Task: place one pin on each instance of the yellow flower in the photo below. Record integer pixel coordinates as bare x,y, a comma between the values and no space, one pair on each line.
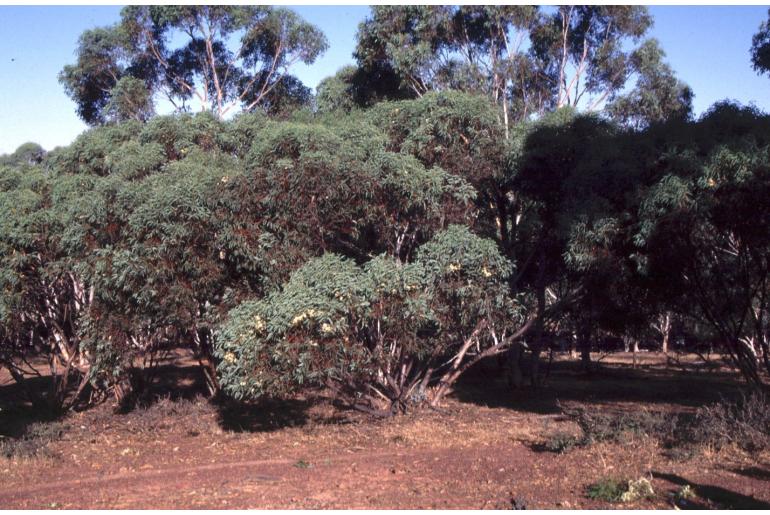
310,313
485,272
259,324
326,328
454,267
230,357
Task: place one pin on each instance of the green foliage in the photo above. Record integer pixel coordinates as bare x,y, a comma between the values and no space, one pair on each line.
700,234
154,231
526,61
608,490
760,48
27,154
341,325
99,68
658,95
614,490
334,93
457,131
122,68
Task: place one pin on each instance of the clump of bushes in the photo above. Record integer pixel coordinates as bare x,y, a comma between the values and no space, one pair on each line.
743,423
34,442
614,427
624,427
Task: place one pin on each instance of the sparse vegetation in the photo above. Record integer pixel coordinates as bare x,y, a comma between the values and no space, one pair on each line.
34,442
743,423
623,427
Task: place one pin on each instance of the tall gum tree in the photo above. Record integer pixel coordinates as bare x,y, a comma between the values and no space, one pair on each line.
229,58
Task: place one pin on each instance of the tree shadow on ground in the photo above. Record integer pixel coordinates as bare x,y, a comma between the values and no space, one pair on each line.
172,389
486,385
270,415
753,472
17,412
186,383
714,496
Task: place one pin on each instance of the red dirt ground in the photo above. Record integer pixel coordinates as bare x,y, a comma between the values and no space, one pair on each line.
479,453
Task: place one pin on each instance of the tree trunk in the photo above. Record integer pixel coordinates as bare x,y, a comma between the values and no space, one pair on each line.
515,379
537,338
585,349
636,350
201,338
665,331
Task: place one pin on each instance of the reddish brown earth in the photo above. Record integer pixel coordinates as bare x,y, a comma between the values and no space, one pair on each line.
481,452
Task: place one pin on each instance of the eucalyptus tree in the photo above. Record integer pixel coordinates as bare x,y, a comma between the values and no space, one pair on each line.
172,222
477,49
527,60
386,302
43,298
383,337
658,95
138,226
581,51
704,234
760,48
227,58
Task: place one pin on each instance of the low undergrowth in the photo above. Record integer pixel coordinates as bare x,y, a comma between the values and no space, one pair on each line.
34,442
743,423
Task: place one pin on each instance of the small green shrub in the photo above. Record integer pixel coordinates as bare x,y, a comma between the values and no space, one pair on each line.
616,490
638,489
608,489
561,442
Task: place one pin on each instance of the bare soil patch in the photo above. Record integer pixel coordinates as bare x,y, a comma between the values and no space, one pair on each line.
480,452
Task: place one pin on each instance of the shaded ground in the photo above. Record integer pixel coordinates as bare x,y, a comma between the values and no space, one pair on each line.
307,454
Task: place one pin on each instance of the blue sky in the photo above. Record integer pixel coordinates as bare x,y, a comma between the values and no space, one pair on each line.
707,46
